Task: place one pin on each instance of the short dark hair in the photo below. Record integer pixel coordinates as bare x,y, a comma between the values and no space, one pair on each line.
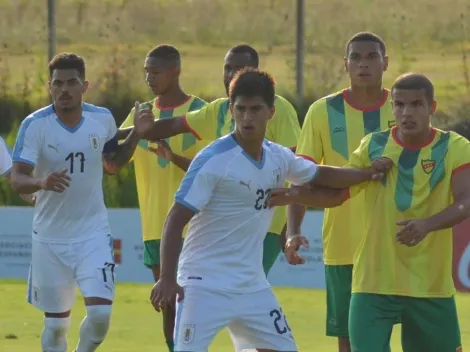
251,82
167,53
67,61
367,37
415,81
247,49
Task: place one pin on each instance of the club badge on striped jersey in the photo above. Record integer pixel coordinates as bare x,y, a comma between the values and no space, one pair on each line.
428,165
94,142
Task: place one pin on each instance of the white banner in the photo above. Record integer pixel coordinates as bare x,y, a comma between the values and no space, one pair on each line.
15,249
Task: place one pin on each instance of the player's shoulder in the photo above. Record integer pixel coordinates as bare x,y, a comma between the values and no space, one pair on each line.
217,154
453,139
196,103
38,117
319,108
94,110
220,103
278,149
281,101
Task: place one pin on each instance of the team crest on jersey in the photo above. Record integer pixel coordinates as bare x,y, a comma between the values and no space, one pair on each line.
277,175
428,165
391,124
94,142
188,332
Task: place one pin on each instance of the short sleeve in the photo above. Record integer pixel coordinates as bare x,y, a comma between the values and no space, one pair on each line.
111,137
27,143
310,145
459,148
299,170
284,128
203,123
5,159
198,184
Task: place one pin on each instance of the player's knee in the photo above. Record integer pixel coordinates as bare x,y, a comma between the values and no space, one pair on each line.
98,317
55,332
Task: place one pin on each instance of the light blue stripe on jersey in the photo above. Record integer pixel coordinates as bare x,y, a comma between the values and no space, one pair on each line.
220,146
44,112
95,109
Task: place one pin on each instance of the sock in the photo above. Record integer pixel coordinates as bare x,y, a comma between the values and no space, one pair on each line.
54,335
94,327
171,346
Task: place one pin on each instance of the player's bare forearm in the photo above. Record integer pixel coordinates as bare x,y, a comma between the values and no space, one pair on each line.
22,180
28,198
165,128
180,161
172,237
340,177
321,197
114,162
295,216
123,133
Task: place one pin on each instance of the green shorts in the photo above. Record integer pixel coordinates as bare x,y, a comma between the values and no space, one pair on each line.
338,295
271,250
428,324
152,253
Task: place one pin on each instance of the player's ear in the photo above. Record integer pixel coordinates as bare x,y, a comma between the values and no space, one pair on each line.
434,106
272,111
85,85
385,63
345,63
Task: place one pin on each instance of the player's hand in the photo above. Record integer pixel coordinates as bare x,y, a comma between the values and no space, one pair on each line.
163,293
412,232
380,167
164,151
283,196
293,244
143,119
56,181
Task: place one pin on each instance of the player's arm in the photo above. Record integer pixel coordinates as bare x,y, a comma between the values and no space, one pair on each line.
199,122
123,133
180,161
164,151
115,155
310,147
28,198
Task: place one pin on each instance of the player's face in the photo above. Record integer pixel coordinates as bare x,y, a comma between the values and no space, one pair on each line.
67,89
159,76
365,64
251,115
412,111
234,63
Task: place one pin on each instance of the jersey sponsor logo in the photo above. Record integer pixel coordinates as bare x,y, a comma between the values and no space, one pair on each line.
94,142
189,330
53,147
338,129
243,183
392,124
428,165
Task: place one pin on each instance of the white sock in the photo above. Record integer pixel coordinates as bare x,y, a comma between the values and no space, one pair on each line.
54,335
94,327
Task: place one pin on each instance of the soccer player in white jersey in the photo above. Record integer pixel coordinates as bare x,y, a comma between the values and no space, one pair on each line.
60,153
221,282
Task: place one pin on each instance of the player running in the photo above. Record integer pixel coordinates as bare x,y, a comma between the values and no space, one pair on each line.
224,195
158,176
332,129
215,120
60,153
403,266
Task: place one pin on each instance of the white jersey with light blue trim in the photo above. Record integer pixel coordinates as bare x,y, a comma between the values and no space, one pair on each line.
44,142
228,191
5,159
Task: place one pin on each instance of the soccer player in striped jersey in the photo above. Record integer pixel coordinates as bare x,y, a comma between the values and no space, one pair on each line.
215,120
160,167
403,265
332,130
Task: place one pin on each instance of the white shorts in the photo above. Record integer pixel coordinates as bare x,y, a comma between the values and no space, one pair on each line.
57,268
254,320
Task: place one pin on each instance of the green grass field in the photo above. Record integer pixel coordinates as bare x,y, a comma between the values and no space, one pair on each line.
136,327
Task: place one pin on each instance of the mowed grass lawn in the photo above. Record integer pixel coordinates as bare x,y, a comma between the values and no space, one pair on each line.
136,327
